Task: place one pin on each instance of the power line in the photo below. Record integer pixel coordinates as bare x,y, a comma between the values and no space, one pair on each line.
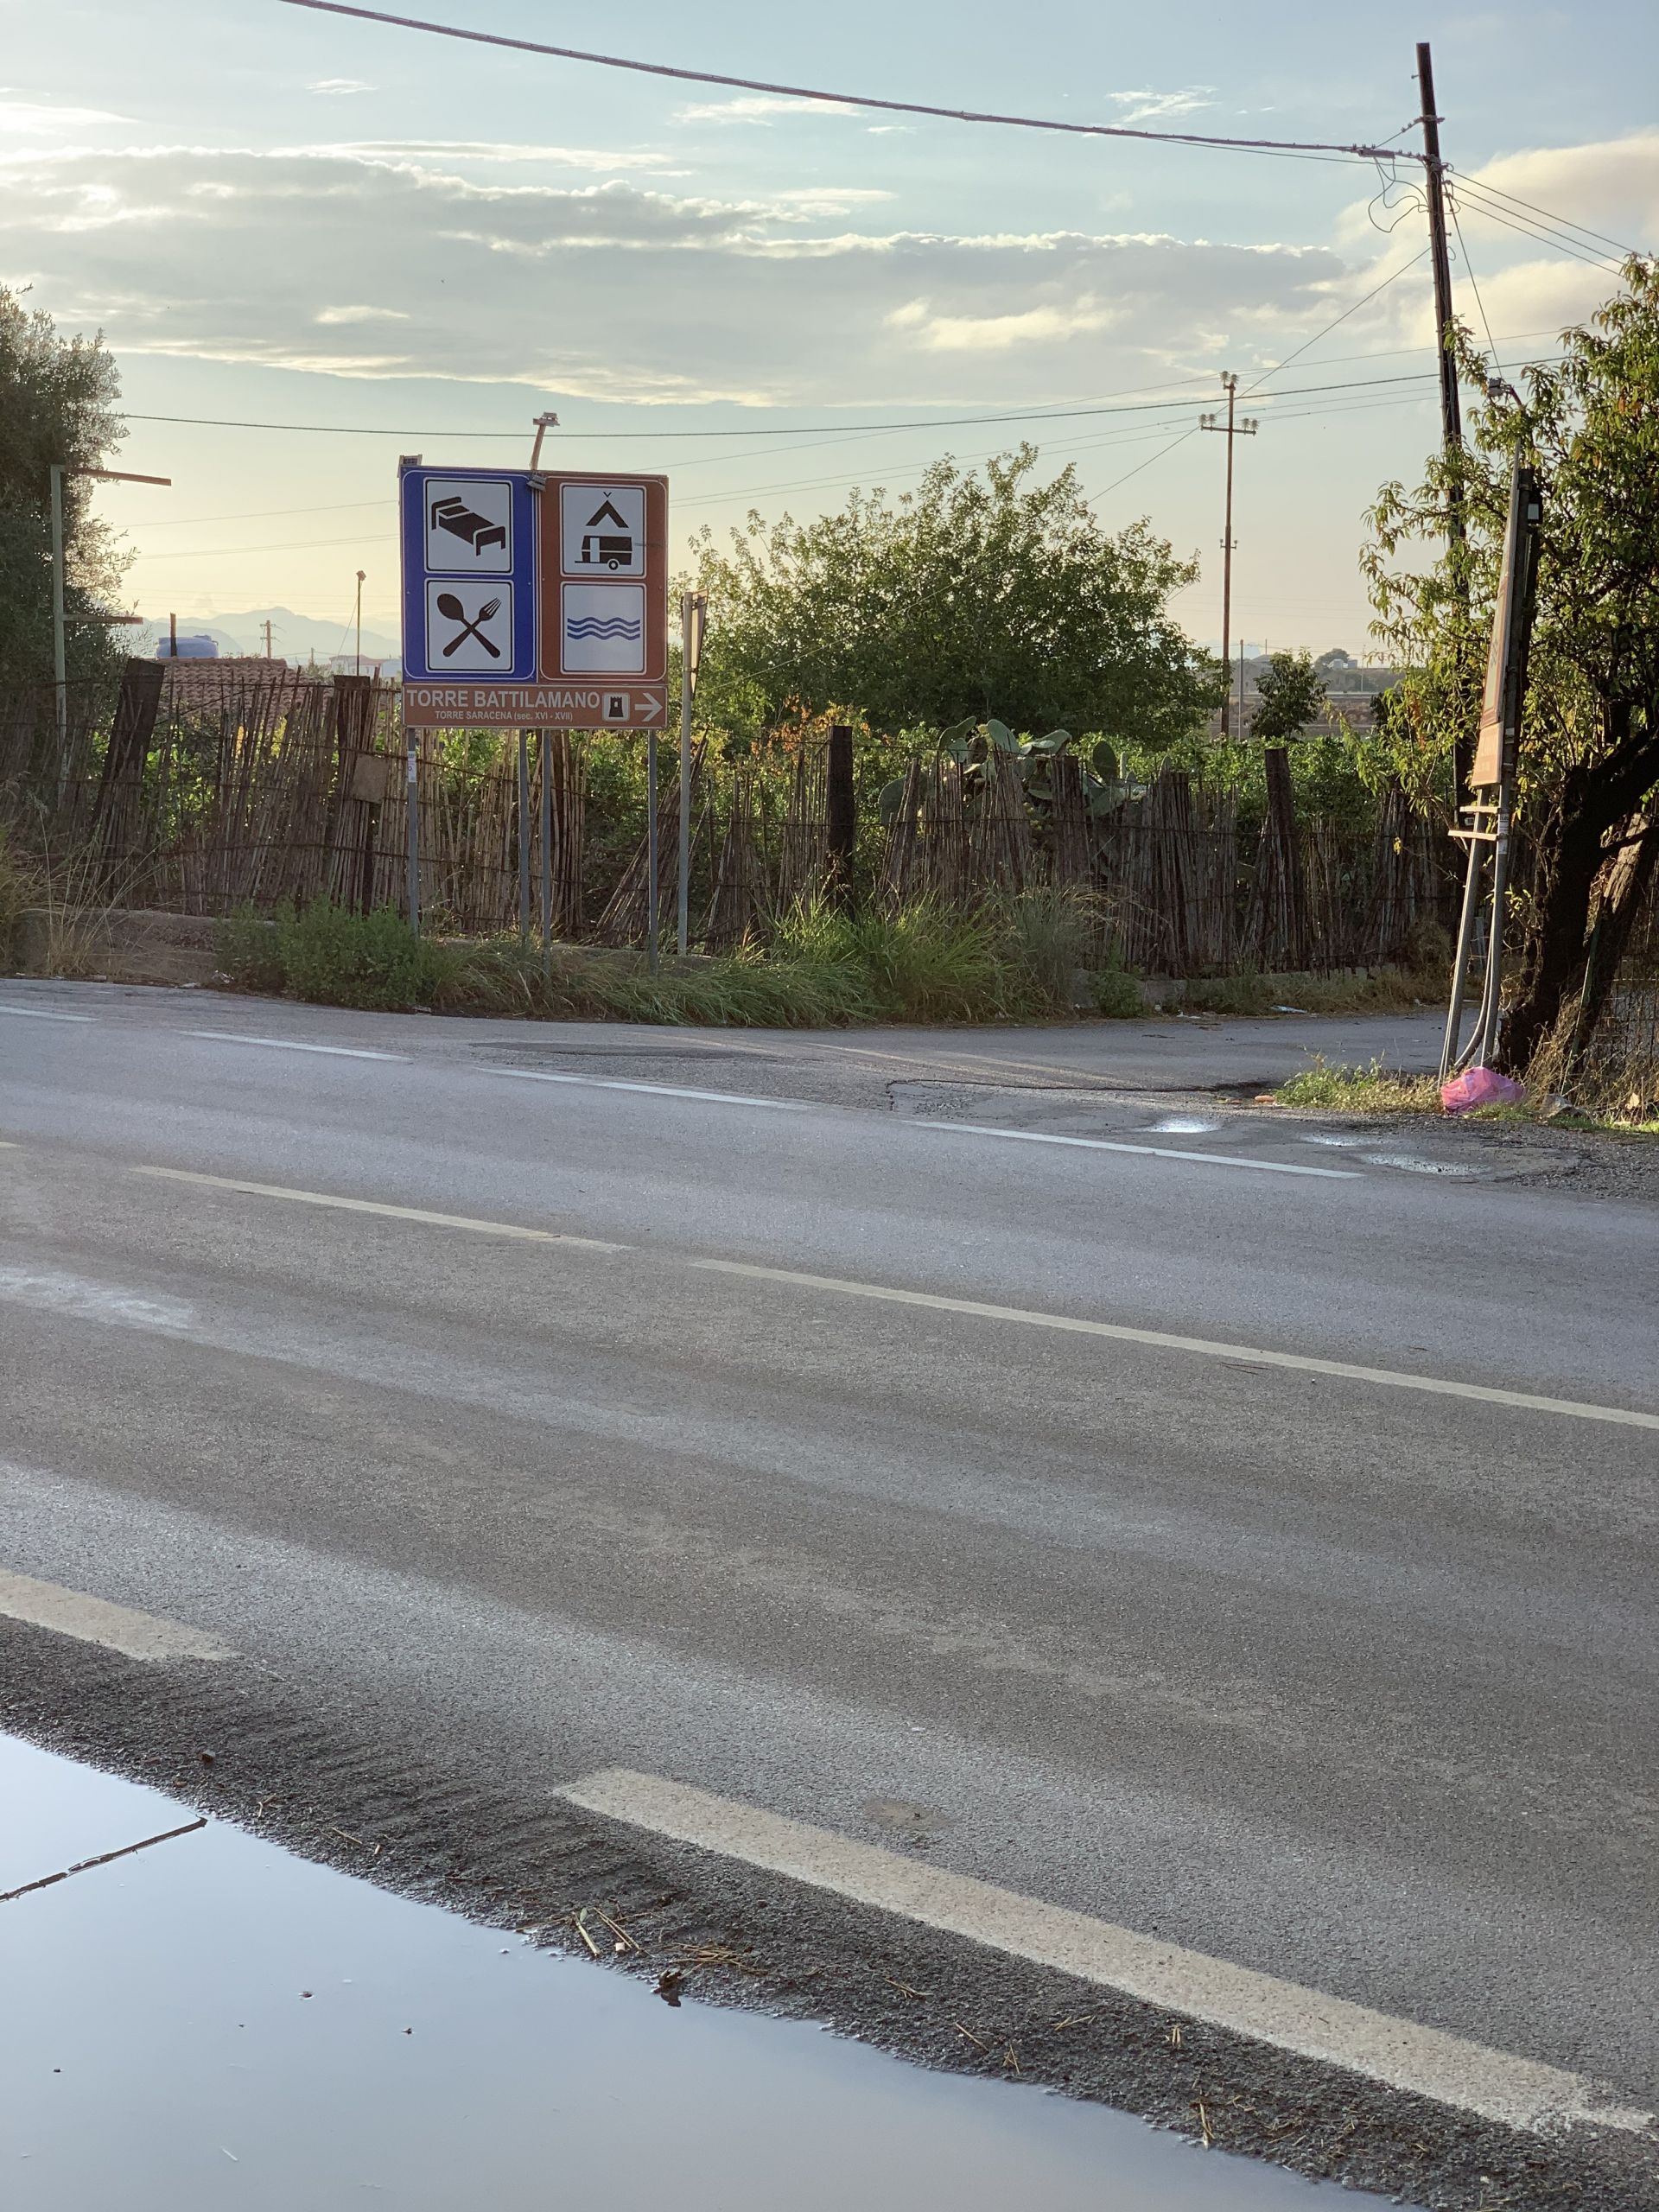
1543,233
835,100
1330,327
1468,266
1555,242
1561,222
924,423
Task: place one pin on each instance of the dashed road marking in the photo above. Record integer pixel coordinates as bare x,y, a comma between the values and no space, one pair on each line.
93,1620
1398,2053
1203,1347
1157,1151
392,1213
292,1044
41,1014
656,1089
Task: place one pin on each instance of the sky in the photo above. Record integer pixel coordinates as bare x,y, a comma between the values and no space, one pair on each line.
279,217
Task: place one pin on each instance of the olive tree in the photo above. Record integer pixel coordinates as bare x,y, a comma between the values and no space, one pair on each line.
1589,752
978,596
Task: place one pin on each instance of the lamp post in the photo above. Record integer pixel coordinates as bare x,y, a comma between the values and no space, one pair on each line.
60,469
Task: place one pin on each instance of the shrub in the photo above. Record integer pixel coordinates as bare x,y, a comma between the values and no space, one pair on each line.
332,957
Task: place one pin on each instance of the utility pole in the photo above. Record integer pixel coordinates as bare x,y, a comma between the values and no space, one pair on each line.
1440,254
361,575
268,651
1230,429
1444,321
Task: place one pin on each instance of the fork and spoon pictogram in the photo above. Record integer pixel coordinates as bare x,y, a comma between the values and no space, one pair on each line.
452,610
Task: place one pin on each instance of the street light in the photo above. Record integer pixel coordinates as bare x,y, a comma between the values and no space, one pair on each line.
60,469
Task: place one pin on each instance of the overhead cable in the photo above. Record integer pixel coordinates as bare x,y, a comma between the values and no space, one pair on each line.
837,99
786,429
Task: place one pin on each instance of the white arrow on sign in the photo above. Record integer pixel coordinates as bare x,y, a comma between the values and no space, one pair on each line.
651,702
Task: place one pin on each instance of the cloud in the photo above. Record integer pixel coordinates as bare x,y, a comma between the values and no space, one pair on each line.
1147,106
602,160
622,289
330,315
996,334
336,87
804,201
1612,185
39,118
756,107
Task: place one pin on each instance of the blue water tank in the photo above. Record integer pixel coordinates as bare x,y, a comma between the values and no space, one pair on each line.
189,649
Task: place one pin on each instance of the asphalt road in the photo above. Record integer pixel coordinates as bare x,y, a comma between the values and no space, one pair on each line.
1347,1681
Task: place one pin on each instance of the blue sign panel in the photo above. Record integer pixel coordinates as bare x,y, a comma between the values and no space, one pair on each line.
470,575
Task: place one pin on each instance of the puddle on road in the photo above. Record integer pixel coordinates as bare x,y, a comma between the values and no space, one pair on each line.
1183,1125
212,2022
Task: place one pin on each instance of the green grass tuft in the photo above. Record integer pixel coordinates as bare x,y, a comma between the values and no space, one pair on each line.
1375,1090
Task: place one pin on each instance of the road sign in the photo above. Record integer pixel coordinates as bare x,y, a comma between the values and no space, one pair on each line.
470,598
534,601
605,582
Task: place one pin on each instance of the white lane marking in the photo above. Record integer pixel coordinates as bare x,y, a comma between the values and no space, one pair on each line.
1166,1340
40,1014
289,1045
1158,1151
92,1620
657,1090
51,1292
1424,2061
392,1213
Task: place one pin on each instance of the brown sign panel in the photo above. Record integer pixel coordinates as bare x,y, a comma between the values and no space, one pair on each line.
597,703
604,579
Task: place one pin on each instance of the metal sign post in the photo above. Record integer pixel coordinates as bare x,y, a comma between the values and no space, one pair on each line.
694,612
1492,778
524,837
547,851
413,811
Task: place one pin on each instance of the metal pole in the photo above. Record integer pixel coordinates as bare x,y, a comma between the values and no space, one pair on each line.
59,669
1491,999
1231,382
524,837
547,848
652,923
1241,688
412,810
688,688
1449,1043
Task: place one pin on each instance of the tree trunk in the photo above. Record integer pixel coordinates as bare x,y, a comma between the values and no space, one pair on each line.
1620,896
1560,947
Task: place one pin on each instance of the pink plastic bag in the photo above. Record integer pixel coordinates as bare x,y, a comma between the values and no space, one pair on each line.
1480,1087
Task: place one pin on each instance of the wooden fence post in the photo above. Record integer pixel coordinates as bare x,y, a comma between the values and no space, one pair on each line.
841,817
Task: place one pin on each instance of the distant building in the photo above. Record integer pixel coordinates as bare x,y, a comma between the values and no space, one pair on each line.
197,648
1351,689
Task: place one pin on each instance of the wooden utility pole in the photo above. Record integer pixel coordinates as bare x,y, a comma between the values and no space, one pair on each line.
1439,255
1445,323
1232,429
268,651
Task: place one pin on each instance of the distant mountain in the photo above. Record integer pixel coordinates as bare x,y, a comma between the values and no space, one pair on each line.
294,637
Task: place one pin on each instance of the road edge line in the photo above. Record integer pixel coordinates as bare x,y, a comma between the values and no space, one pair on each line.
1397,2054
94,1620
